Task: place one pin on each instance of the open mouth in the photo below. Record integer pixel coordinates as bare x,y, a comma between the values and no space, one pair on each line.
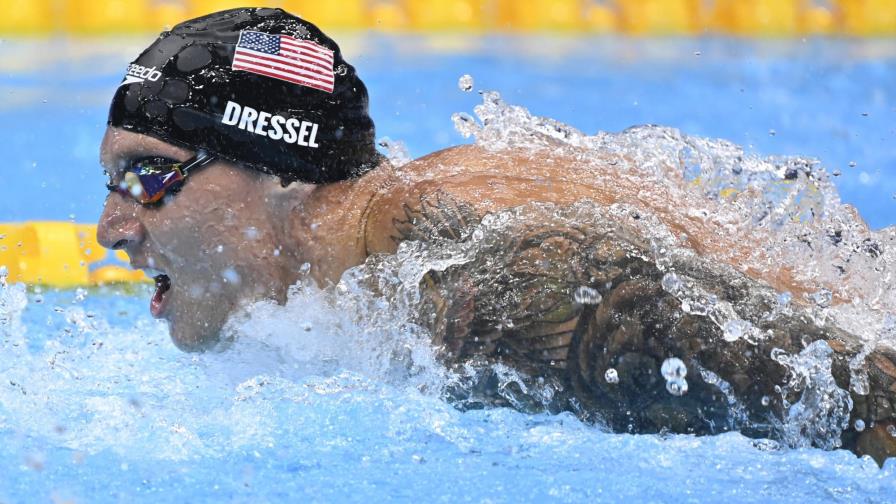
159,299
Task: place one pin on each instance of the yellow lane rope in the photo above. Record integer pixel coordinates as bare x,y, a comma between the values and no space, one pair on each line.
61,254
637,17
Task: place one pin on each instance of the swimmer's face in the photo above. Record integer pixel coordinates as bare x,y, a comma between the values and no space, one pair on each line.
215,244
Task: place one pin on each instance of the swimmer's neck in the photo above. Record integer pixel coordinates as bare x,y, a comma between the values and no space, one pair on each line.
328,226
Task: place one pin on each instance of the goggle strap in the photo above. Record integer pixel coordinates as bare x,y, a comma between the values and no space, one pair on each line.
198,162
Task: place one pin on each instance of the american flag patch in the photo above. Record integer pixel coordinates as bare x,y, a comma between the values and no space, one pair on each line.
286,58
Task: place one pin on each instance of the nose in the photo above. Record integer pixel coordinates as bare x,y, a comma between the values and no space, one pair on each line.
119,227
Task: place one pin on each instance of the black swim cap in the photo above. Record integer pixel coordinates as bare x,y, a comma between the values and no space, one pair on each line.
260,87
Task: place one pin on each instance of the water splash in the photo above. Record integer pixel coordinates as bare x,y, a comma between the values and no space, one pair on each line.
13,300
780,218
396,151
823,409
785,211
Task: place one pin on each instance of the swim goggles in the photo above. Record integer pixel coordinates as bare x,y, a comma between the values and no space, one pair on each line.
148,183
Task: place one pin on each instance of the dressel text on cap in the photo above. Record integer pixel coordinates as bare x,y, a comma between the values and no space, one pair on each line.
275,127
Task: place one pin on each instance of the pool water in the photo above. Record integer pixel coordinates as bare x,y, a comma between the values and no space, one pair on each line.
96,404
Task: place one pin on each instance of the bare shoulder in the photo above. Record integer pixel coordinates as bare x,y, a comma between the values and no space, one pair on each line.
473,159
440,193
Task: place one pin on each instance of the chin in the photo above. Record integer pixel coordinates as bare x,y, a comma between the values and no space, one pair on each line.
194,339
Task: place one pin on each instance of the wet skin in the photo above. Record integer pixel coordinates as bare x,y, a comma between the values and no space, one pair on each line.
228,220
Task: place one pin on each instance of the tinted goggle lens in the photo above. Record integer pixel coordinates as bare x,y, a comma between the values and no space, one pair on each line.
148,183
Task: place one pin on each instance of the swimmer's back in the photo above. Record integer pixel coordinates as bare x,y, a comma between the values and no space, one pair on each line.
471,180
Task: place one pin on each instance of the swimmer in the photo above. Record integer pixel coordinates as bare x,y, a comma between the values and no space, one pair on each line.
239,148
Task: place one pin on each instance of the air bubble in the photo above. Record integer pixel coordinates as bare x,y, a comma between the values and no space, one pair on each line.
766,400
891,430
859,425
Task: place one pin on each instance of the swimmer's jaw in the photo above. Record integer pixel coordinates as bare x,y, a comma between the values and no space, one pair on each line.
195,341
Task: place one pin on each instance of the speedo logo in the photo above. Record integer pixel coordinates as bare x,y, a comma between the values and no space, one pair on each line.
140,73
275,127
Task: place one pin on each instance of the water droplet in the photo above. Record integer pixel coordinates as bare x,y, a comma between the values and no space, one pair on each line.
587,295
736,329
220,248
677,387
852,164
673,368
859,425
784,299
611,376
772,132
822,298
671,283
304,269
891,430
836,173
465,83
231,276
697,53
464,124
